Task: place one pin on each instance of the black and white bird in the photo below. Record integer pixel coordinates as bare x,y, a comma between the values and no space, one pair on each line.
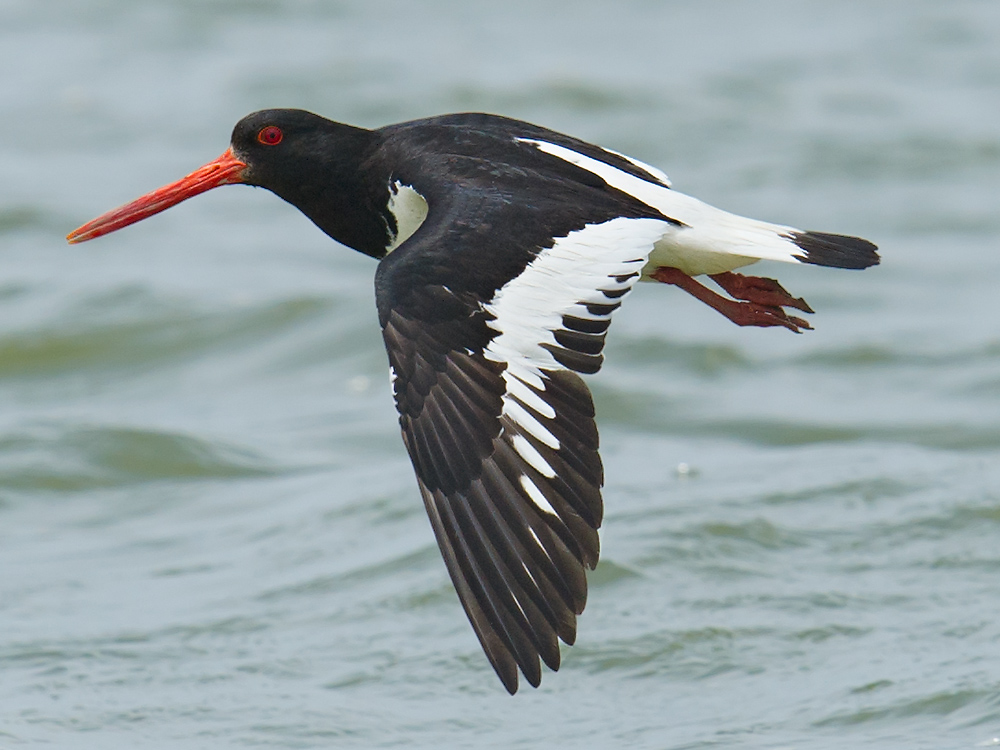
505,249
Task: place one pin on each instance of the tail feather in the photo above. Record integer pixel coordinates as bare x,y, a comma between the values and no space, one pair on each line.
836,250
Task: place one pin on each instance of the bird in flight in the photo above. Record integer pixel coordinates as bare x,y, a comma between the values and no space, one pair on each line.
504,250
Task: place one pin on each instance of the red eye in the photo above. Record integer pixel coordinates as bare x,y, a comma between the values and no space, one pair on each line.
270,136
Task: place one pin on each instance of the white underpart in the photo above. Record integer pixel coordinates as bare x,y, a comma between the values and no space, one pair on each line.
711,240
538,499
409,209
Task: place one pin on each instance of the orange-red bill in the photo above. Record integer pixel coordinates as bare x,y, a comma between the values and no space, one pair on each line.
225,170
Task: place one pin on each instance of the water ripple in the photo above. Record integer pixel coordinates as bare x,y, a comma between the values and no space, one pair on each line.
939,704
127,330
84,458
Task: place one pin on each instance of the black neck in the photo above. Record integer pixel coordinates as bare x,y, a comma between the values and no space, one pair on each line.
330,177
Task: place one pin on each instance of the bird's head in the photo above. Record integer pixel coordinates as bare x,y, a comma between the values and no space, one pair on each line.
291,152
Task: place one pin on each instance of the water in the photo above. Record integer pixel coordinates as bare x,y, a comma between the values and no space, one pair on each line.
210,535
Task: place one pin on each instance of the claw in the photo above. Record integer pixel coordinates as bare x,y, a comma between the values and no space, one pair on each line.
759,290
758,301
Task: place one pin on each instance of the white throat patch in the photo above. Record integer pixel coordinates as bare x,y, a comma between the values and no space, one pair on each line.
409,209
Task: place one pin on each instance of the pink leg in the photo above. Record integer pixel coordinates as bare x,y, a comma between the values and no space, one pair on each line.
761,305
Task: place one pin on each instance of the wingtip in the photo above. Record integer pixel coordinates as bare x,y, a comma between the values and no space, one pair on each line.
507,674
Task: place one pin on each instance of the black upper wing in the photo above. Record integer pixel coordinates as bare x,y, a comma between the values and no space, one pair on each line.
488,312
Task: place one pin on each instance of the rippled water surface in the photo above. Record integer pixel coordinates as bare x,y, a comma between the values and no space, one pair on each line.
210,535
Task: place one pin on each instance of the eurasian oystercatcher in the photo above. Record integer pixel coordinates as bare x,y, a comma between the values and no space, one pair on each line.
505,249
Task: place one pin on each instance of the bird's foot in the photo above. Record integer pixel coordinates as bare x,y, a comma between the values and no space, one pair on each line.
759,290
758,301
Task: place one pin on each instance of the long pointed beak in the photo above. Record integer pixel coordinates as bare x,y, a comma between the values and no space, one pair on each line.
225,170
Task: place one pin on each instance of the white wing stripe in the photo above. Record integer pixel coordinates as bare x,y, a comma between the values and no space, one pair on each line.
529,424
706,229
659,174
530,307
594,265
540,502
527,396
532,456
659,197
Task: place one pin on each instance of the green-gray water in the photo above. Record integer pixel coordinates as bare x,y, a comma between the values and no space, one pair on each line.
210,535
